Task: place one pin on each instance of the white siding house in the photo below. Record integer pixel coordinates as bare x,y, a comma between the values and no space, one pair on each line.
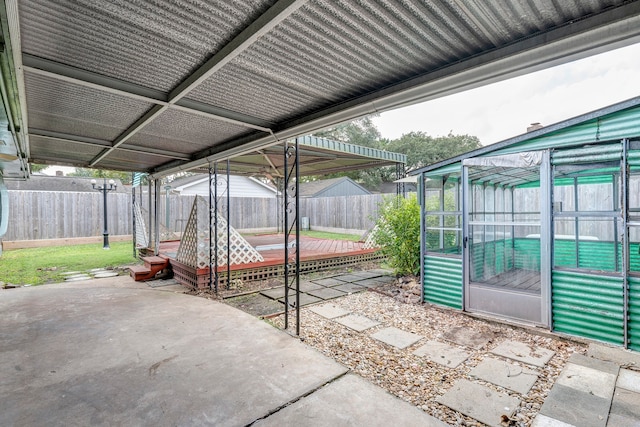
239,186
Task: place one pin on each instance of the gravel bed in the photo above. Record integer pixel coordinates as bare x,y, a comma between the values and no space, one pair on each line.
416,379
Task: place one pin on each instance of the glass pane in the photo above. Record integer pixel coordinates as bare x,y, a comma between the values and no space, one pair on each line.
634,196
564,198
444,233
506,257
634,248
595,196
598,246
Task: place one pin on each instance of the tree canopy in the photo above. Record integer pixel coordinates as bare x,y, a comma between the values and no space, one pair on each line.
420,148
423,150
124,177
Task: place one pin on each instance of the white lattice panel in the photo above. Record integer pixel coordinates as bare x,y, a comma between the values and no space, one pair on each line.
370,243
165,234
195,246
141,229
188,253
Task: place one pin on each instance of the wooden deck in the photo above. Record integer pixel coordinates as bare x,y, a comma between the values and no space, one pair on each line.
315,254
517,280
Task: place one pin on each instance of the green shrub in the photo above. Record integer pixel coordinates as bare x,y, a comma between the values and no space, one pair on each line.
398,233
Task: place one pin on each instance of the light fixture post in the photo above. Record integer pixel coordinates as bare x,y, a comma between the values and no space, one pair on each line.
104,189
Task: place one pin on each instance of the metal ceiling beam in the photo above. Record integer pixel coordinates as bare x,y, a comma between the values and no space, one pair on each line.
616,27
62,72
101,143
268,159
281,10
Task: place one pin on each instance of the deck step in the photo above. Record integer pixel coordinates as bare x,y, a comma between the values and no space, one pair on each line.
140,272
152,266
153,260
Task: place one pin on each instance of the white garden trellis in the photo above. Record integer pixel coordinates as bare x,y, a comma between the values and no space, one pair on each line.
195,245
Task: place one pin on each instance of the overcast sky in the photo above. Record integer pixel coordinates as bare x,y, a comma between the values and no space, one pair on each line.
503,110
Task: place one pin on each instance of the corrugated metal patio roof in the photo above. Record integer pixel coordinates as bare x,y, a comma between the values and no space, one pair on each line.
170,85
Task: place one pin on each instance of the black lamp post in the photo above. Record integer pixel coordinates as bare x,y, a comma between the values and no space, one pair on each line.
105,189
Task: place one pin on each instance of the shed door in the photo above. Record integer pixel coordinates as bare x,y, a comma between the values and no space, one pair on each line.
506,233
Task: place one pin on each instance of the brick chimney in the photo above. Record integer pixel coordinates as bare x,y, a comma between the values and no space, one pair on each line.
534,126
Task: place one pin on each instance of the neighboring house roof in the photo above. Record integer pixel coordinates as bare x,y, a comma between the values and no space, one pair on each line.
60,183
240,186
392,187
342,186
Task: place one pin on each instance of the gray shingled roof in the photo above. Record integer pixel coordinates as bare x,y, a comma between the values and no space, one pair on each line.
59,183
313,188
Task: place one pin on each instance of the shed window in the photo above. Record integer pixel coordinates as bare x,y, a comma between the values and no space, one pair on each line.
587,223
443,218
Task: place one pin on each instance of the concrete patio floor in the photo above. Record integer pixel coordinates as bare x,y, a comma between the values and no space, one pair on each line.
115,352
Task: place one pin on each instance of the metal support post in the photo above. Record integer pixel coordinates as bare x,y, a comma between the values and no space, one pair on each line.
210,231
292,224
167,213
215,225
626,263
228,225
133,215
422,197
150,240
156,216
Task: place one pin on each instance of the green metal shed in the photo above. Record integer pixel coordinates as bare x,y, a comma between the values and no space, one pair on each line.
543,228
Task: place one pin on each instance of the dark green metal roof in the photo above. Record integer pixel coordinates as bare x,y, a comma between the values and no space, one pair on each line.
318,156
611,123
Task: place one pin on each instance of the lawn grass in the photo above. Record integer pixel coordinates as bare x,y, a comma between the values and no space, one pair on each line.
36,266
332,236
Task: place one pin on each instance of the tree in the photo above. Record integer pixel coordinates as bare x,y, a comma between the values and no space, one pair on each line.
422,149
362,132
35,167
124,177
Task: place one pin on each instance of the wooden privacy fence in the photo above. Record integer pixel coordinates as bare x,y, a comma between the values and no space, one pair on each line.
37,215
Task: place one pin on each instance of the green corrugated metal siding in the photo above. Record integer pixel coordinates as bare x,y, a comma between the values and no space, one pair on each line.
588,305
454,168
634,313
443,281
634,257
527,254
593,255
314,141
623,124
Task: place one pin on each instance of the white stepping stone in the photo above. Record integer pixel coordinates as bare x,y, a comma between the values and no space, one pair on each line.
588,380
396,337
479,402
525,353
77,278
544,421
105,274
505,374
629,380
357,322
329,311
443,354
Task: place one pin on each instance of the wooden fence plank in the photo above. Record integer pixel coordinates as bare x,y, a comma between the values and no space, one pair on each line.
37,215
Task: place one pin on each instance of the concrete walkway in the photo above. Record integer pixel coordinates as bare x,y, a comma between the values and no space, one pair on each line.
601,389
115,352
